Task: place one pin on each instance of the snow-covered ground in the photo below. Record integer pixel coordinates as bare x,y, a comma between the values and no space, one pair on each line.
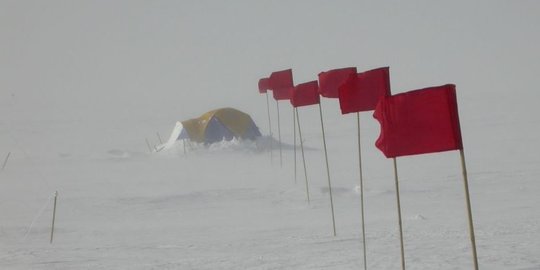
79,93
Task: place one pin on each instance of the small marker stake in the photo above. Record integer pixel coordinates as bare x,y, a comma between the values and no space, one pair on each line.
54,215
6,160
148,144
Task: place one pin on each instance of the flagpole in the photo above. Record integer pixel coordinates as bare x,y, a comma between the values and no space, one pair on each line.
361,191
279,135
399,216
328,172
469,210
269,125
294,135
303,157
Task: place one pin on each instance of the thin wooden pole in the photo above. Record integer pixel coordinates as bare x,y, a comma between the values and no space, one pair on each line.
399,216
303,157
294,144
148,144
328,172
469,209
6,161
361,191
279,136
159,138
269,126
54,215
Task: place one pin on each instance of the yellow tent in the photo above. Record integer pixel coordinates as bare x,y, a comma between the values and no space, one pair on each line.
215,126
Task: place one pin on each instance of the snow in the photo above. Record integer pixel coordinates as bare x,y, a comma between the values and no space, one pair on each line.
79,95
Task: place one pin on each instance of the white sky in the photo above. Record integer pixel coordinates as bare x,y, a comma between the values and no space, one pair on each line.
100,61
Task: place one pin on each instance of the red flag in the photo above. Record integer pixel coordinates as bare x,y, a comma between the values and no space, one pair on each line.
305,94
282,93
419,122
280,79
330,81
362,91
263,85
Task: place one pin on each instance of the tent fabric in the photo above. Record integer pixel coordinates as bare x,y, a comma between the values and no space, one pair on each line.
178,133
217,125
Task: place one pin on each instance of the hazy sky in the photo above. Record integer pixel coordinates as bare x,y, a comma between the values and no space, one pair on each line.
118,60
